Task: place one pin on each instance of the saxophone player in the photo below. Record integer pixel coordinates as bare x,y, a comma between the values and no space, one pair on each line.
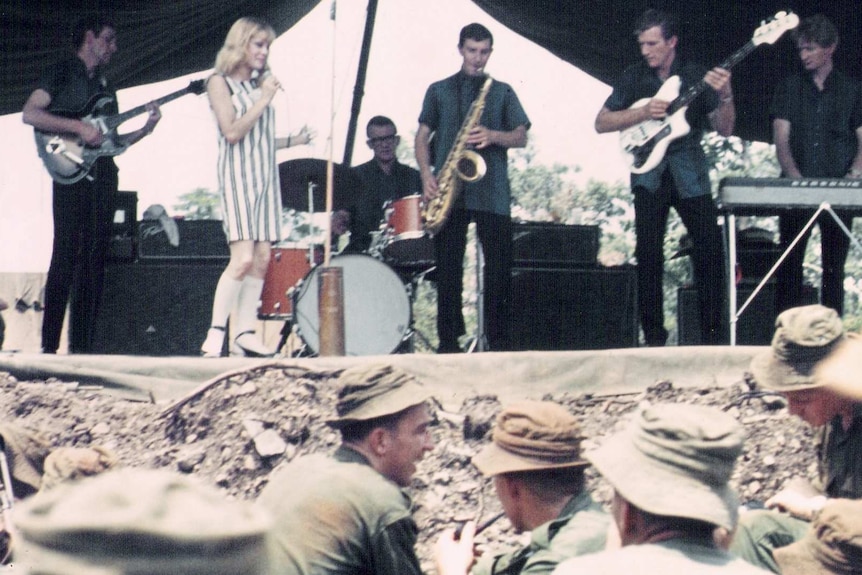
501,123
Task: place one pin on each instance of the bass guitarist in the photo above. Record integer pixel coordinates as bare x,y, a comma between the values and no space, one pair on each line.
681,179
83,211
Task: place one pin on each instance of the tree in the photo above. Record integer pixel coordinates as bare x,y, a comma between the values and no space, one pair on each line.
199,204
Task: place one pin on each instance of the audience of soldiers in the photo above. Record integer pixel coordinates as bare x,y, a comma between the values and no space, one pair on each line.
349,512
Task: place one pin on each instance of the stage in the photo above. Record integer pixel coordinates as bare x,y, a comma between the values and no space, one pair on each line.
510,376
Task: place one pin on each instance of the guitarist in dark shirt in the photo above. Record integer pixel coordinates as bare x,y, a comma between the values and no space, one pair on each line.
680,180
83,211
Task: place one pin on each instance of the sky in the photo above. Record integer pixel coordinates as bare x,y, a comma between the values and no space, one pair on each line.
414,44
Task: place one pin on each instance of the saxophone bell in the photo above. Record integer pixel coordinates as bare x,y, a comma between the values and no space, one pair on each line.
471,167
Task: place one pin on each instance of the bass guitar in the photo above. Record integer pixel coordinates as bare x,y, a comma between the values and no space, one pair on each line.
68,159
645,144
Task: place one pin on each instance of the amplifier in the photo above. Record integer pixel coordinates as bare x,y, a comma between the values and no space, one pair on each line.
200,240
574,308
545,244
124,226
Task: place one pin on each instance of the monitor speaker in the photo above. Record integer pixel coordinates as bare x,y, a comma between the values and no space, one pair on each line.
574,309
155,309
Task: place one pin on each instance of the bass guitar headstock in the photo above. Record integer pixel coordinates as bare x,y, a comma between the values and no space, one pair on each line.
771,30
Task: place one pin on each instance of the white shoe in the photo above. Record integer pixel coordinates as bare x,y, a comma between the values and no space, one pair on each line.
246,344
214,342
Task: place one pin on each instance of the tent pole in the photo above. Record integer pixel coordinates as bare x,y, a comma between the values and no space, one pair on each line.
359,86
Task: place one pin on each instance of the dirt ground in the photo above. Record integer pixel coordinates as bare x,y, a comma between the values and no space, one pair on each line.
236,432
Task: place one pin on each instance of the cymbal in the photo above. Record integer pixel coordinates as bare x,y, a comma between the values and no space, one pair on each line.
296,175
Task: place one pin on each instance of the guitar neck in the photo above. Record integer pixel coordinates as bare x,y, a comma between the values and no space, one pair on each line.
114,121
694,91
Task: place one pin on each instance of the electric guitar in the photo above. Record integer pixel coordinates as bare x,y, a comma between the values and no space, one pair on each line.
645,144
68,159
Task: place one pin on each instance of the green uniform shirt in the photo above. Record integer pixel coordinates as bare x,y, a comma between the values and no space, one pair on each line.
840,458
581,528
338,515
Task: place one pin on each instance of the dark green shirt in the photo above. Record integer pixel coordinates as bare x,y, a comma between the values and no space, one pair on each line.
337,515
581,528
823,123
373,188
840,458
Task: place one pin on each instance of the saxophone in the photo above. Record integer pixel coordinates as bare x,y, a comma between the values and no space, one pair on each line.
462,165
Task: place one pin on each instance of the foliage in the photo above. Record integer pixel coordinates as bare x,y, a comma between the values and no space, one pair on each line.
199,204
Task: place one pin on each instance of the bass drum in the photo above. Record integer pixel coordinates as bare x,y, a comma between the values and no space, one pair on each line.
376,306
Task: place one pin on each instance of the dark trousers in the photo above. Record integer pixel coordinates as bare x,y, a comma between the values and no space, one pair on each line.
495,233
83,215
699,215
834,248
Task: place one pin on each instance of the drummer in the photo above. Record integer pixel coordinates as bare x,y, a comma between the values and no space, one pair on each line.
376,182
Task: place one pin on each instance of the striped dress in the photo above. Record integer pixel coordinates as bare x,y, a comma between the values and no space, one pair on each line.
248,174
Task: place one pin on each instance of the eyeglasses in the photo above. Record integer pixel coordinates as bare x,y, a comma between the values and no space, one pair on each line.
382,140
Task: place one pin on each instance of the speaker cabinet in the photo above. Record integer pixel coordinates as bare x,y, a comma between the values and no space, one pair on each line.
155,309
200,241
549,245
755,326
574,309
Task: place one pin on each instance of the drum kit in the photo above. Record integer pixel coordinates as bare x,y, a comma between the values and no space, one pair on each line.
379,286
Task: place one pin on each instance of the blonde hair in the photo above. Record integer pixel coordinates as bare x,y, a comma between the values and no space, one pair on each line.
238,38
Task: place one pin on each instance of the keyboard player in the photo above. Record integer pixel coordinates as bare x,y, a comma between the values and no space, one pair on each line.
817,130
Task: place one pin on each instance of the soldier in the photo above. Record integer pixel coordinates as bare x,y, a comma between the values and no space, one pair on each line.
138,522
809,363
670,471
347,513
535,461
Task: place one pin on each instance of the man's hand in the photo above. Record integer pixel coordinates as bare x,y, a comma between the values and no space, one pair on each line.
429,187
455,557
657,109
154,117
719,80
480,137
796,503
91,135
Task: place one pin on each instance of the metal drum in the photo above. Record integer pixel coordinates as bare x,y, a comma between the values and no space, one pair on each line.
287,266
407,244
376,306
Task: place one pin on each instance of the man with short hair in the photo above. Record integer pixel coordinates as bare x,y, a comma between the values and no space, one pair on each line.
670,471
681,178
378,181
809,357
502,125
817,130
347,513
83,210
535,461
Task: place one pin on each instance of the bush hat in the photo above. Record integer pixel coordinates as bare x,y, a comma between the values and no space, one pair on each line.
369,392
832,545
842,370
675,460
529,436
139,522
803,336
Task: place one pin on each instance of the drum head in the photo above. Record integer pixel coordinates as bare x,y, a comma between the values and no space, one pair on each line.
376,306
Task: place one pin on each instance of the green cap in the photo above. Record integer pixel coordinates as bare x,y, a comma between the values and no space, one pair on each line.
803,337
372,391
139,522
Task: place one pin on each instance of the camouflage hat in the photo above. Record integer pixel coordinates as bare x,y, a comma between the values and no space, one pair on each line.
803,336
372,391
139,522
833,545
675,460
842,370
532,435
